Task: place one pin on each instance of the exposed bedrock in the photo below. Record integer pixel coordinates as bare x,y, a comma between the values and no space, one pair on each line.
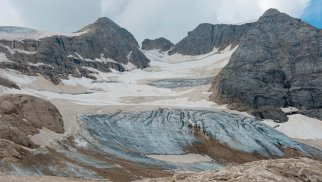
22,116
7,83
102,45
161,44
299,169
206,36
278,63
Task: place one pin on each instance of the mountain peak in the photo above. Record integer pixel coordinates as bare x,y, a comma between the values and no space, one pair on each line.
101,24
271,12
273,15
104,20
161,43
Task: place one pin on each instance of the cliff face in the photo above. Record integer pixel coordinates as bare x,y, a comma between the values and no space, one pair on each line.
278,63
205,37
102,45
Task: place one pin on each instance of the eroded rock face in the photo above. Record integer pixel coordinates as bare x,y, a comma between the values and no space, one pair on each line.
161,44
23,115
7,83
278,63
205,37
300,169
11,152
101,45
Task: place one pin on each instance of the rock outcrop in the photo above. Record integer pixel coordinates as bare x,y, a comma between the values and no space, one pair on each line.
22,116
102,45
161,44
298,169
278,63
206,37
7,83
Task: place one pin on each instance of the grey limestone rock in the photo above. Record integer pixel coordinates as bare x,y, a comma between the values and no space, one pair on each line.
278,63
206,36
7,83
61,56
161,43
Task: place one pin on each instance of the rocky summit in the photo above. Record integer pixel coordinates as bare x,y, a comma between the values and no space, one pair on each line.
278,64
161,44
102,45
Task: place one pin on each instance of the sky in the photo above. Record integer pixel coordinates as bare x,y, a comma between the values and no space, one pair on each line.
171,19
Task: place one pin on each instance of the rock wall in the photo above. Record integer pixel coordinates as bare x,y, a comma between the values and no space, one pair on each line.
205,37
278,63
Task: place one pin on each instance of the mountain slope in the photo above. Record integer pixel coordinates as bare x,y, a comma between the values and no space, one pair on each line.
206,36
102,45
277,64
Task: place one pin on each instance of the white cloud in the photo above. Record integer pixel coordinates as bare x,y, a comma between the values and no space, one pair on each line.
171,19
174,18
9,15
292,7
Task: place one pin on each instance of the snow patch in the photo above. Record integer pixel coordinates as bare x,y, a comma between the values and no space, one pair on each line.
289,110
79,33
129,56
13,51
299,126
40,64
8,48
182,159
102,59
79,142
16,77
21,33
129,66
3,58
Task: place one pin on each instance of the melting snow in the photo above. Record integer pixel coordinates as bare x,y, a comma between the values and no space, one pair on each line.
299,126
131,88
3,58
182,159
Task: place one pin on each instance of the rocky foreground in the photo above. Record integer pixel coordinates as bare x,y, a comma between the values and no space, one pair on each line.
299,169
295,170
20,117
